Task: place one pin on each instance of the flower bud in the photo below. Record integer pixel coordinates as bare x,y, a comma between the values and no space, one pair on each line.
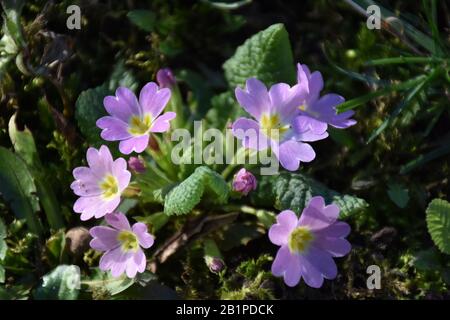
165,78
136,165
216,265
244,182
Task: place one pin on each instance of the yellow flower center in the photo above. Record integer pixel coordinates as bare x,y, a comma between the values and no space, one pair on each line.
305,108
300,239
109,186
128,240
139,126
272,127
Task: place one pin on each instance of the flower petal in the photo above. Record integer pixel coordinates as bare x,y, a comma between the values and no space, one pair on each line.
318,216
117,108
292,152
255,99
322,262
286,222
281,261
338,229
113,129
162,124
153,100
127,97
118,220
337,247
248,131
311,275
105,238
146,240
137,144
293,272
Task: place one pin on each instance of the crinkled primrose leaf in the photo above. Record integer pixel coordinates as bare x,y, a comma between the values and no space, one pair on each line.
438,222
267,56
184,197
293,191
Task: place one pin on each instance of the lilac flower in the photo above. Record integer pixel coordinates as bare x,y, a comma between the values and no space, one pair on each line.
315,112
274,111
136,165
122,245
244,182
165,78
100,185
130,121
309,244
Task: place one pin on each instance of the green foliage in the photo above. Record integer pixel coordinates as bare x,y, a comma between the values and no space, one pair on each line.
398,194
224,109
89,105
3,248
293,191
438,222
102,283
266,56
88,109
154,184
25,147
184,197
144,19
62,283
19,189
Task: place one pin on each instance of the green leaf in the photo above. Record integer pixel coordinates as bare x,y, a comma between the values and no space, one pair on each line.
55,246
293,191
2,231
18,188
238,234
224,109
438,222
398,194
121,76
427,260
88,109
2,274
266,56
25,147
3,246
101,280
154,221
144,19
153,183
89,105
184,197
63,283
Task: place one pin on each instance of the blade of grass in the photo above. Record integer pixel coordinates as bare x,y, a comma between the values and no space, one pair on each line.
402,60
356,102
404,103
423,159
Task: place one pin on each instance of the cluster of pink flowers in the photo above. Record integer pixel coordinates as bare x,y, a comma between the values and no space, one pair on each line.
101,184
285,119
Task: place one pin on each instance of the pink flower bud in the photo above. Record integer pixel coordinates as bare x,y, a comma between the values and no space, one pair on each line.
165,78
136,165
244,182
